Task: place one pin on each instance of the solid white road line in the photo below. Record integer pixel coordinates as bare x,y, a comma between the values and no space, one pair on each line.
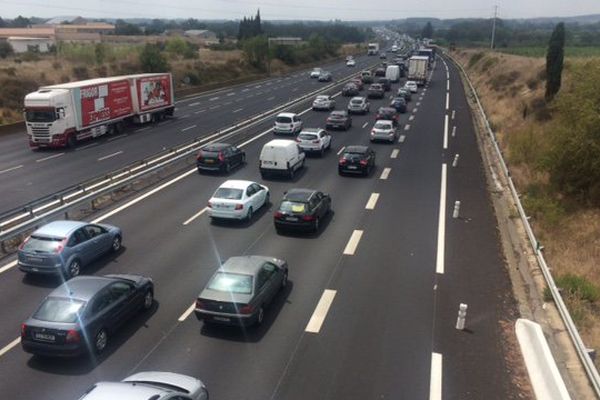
447,100
401,139
193,217
372,201
8,266
365,125
187,312
188,128
441,236
238,110
194,104
53,156
385,173
318,316
445,131
9,346
435,384
117,137
341,150
110,155
137,130
395,153
353,243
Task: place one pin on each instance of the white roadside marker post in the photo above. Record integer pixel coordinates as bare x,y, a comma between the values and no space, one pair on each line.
455,162
462,316
456,211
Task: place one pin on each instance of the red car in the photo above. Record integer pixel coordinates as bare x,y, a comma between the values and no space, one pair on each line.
387,113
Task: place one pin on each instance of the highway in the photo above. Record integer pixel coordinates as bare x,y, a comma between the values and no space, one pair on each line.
26,175
383,278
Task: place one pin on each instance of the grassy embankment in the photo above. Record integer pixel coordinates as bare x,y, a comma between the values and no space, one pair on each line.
553,152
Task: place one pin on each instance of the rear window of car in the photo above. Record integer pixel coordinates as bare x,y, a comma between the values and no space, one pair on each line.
231,283
337,115
322,98
228,193
375,87
382,125
42,244
59,310
352,156
307,136
292,206
283,120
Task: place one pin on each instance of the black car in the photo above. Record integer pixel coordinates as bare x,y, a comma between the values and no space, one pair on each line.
357,160
375,91
350,89
339,120
386,83
219,157
380,72
405,93
388,114
80,315
302,209
399,104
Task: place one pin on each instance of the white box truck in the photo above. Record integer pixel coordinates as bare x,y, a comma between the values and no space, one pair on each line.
417,69
392,73
373,49
60,115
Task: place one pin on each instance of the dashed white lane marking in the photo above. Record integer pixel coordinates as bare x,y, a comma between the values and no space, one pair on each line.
435,384
421,98
116,137
385,173
453,114
448,85
294,89
238,110
193,217
406,127
318,316
214,107
415,110
245,90
194,104
149,127
395,153
188,128
447,100
111,155
341,150
53,156
96,144
441,237
187,312
418,103
257,86
200,111
213,98
365,125
271,98
228,103
372,201
445,131
231,94
411,117
453,131
9,346
353,243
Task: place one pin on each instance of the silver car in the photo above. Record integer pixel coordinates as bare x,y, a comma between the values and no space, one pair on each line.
64,247
358,105
323,102
149,385
240,289
384,130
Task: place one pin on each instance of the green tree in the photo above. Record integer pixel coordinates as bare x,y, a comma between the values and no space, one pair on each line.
554,61
5,49
100,53
124,28
152,60
427,31
20,22
256,51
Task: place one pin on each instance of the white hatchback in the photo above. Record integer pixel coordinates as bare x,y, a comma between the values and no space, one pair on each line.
412,86
317,140
236,199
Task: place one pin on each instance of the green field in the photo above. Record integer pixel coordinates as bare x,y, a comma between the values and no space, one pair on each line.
541,51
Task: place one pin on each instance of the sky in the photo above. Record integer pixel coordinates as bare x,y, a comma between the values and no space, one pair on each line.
298,9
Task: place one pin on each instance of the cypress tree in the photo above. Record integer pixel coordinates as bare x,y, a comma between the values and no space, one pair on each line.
554,61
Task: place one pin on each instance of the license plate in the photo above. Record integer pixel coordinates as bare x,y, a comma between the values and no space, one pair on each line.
352,167
293,219
210,161
36,259
223,319
267,162
45,336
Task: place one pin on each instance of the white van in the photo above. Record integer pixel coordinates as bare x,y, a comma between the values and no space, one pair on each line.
393,73
287,123
281,156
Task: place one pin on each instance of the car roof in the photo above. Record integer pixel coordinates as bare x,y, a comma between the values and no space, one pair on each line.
376,85
236,184
59,228
299,194
339,112
311,130
245,264
383,121
356,149
358,98
285,114
387,109
321,96
280,143
178,382
216,146
122,390
82,287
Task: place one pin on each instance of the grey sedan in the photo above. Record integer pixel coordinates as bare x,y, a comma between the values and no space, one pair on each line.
64,247
241,289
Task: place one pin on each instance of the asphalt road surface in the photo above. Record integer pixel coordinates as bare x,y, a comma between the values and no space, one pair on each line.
381,282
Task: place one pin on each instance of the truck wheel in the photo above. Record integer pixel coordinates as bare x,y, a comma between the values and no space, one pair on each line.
71,141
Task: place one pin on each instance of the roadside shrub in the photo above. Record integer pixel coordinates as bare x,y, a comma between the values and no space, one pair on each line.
10,71
101,71
543,206
532,83
13,91
503,81
81,72
488,63
56,65
475,58
5,49
525,146
578,288
65,78
30,56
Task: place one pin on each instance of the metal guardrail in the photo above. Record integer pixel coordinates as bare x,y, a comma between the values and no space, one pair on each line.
24,218
580,347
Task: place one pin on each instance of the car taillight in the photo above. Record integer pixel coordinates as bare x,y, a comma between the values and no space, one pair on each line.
298,140
61,246
278,215
221,157
72,336
199,304
308,217
23,330
209,205
378,116
24,242
373,132
239,206
343,161
200,156
247,309
363,162
316,141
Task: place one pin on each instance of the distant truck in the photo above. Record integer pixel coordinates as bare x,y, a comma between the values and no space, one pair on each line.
417,69
393,73
373,49
61,115
424,51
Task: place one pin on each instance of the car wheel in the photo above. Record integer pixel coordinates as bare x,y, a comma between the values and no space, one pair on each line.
316,225
291,173
100,341
71,141
116,244
322,151
243,160
148,300
267,199
249,214
261,315
74,269
227,167
284,281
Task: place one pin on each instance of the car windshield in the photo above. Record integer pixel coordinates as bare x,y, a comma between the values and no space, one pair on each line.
231,283
40,116
383,125
337,116
356,101
283,120
59,310
292,206
307,136
42,244
228,194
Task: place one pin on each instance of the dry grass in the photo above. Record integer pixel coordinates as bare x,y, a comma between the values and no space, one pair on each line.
571,237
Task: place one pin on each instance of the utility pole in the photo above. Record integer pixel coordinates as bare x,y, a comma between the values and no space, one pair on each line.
493,44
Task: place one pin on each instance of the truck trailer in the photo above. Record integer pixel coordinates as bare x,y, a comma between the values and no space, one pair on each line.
61,115
417,69
373,49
